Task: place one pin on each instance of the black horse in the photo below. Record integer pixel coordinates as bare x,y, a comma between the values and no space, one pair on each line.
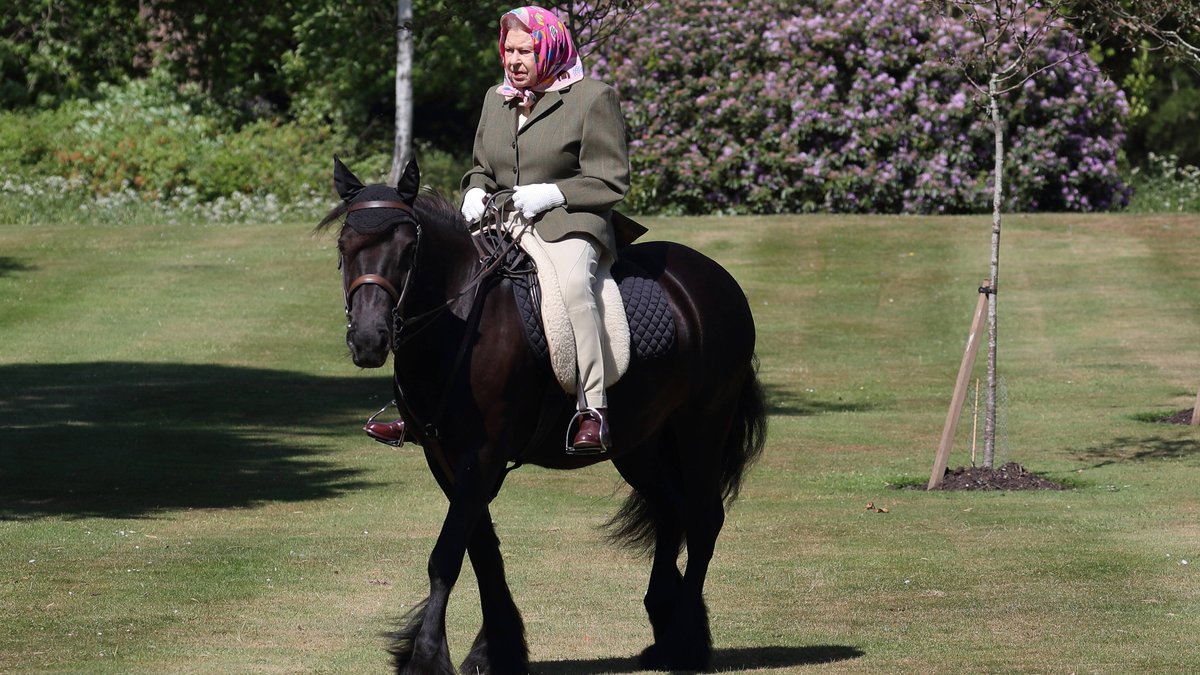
685,427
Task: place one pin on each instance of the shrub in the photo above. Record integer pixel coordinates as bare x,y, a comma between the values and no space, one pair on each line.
1163,185
147,141
844,106
148,137
28,142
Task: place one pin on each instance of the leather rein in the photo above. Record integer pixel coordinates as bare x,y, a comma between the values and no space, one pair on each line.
492,257
489,258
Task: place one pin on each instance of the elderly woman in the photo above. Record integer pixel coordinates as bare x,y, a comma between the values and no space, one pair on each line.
557,139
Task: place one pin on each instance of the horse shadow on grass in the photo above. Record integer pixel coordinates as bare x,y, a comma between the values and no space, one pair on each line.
130,440
783,401
9,265
723,660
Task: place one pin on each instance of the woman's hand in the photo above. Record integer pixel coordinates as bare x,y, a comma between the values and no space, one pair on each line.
533,199
472,206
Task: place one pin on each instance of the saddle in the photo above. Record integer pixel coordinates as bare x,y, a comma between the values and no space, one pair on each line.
635,314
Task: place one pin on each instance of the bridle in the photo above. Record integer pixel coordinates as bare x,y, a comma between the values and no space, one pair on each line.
378,279
490,258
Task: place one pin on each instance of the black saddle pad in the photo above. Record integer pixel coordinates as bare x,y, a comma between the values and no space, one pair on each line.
651,323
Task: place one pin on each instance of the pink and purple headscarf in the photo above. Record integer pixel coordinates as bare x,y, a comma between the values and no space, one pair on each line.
558,64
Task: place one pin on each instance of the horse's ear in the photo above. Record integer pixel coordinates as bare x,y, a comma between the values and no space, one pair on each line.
410,182
346,183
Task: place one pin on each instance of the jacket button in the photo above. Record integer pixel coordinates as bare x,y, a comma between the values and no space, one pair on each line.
514,169
514,144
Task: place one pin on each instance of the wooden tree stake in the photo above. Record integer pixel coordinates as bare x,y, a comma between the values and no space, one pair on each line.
960,390
974,421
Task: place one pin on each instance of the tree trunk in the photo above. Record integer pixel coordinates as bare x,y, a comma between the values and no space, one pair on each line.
989,424
404,98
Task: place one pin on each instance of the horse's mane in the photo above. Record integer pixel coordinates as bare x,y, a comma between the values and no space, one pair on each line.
431,207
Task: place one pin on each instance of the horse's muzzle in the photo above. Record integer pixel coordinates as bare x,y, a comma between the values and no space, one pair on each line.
369,347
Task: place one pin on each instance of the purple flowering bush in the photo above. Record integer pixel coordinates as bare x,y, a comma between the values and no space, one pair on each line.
846,106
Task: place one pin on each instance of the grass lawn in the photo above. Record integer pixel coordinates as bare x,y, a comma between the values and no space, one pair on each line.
184,486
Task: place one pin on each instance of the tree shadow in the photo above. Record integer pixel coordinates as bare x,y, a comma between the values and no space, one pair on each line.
782,401
724,660
1127,449
128,440
8,265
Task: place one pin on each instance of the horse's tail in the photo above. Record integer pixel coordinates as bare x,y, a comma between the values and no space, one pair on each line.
747,437
633,526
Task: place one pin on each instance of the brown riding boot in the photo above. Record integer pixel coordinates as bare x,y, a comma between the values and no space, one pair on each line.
388,433
592,437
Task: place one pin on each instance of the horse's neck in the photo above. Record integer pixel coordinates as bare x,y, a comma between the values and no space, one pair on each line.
446,268
449,262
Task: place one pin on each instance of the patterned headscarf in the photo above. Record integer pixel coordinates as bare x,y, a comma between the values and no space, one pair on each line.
558,64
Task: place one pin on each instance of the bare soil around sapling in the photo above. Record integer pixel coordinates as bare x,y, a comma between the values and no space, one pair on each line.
1181,417
1011,476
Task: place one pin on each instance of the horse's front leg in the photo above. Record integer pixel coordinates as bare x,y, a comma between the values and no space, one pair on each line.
500,648
420,648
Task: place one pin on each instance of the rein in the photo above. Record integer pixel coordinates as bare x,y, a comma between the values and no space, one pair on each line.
492,256
490,259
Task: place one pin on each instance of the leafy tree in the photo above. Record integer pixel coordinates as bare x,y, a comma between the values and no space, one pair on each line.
1170,26
55,50
233,50
1012,33
1152,49
402,149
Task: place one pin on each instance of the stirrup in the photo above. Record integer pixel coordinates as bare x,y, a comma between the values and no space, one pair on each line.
396,443
572,429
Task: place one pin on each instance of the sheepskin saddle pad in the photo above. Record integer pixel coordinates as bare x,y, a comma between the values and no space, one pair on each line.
636,318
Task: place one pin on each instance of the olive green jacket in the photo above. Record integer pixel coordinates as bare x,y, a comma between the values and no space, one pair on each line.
575,138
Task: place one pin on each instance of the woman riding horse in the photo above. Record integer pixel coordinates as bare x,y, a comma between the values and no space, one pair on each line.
557,140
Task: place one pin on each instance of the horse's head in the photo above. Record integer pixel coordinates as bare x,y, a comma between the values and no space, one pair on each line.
378,249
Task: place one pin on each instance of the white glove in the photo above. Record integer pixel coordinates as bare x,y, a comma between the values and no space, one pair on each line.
533,199
472,206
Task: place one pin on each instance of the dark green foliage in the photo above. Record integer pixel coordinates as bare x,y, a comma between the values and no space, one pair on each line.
54,50
233,50
1171,126
293,81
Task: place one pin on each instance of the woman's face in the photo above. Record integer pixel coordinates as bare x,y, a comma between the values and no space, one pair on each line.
520,59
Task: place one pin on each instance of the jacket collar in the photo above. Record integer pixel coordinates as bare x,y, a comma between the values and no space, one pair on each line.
549,101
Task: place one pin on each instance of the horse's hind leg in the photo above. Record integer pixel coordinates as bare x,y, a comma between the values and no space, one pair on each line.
658,501
682,639
661,502
666,583
500,648
686,642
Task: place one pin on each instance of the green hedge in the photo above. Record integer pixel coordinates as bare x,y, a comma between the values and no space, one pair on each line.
146,140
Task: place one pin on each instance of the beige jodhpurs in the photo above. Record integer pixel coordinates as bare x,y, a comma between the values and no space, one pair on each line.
575,258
